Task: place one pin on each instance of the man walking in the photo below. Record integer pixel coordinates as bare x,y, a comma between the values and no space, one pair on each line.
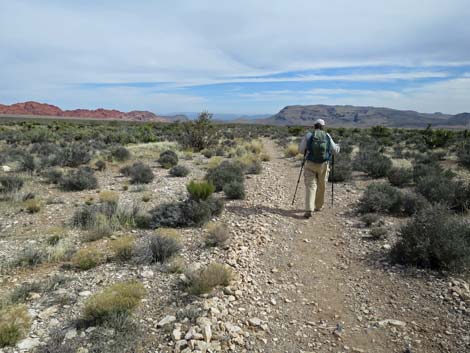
317,147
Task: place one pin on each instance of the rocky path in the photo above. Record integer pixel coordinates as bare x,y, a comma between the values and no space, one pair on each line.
321,288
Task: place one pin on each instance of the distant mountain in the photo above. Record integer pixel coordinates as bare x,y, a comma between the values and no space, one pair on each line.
225,116
354,116
42,109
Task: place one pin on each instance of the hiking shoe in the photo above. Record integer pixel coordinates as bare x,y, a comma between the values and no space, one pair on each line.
308,214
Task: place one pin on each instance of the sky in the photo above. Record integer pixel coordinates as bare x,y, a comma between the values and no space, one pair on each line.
240,57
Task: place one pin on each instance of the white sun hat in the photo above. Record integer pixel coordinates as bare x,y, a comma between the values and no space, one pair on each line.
320,122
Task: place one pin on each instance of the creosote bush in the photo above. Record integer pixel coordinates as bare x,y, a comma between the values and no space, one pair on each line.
342,168
140,173
87,258
179,171
81,179
400,176
374,163
200,190
204,280
121,153
378,232
435,239
380,197
53,175
10,183
168,159
234,190
225,173
116,301
370,218
14,324
163,247
217,235
100,165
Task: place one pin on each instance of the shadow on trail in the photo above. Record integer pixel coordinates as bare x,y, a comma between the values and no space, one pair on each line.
256,210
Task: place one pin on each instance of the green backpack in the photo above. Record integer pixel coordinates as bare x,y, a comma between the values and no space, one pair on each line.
317,146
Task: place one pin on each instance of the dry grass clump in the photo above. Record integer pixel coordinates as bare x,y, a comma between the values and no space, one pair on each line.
204,280
175,265
113,302
87,258
123,247
146,197
100,228
217,234
291,150
32,205
14,324
108,196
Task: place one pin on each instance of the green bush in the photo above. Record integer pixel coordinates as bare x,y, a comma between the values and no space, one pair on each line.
234,190
370,218
72,155
463,154
374,163
225,173
163,247
342,169
81,179
400,176
168,159
378,232
437,189
200,190
141,173
199,134
116,301
14,324
254,167
10,183
100,165
434,239
121,153
179,171
53,175
380,197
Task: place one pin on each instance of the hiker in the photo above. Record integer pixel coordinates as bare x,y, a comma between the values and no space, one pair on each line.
317,147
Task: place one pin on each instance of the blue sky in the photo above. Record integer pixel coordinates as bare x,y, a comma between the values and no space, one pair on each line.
243,57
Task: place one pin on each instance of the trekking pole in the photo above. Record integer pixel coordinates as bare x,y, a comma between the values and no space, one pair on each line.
300,175
332,178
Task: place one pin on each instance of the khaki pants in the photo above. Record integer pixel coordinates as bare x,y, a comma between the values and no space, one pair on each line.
316,176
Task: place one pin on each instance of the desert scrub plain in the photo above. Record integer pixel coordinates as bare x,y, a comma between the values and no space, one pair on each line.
119,237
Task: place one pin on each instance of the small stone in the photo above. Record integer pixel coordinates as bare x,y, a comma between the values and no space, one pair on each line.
166,320
255,322
28,344
71,334
207,333
147,274
85,293
176,334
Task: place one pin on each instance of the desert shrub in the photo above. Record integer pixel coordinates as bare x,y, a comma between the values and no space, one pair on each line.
146,197
291,150
10,183
168,159
141,173
53,175
84,217
342,169
118,300
200,190
374,163
370,218
400,176
87,258
28,163
14,324
188,213
126,170
225,173
163,247
234,190
217,235
100,165
109,197
207,153
20,294
463,154
123,247
72,155
179,171
380,197
199,134
412,202
81,179
121,153
254,167
99,228
425,169
378,232
175,264
32,205
436,189
62,250
30,256
204,280
434,239
265,157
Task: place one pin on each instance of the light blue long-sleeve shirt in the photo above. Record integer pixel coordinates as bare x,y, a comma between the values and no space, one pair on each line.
332,146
